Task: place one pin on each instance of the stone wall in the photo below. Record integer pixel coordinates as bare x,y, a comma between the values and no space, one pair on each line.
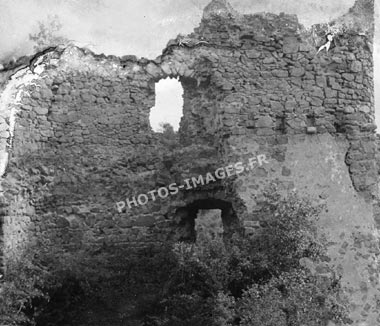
77,140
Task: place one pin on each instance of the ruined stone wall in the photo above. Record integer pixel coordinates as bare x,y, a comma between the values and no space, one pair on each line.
80,141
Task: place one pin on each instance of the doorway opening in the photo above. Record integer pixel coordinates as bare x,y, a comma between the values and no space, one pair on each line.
208,224
210,218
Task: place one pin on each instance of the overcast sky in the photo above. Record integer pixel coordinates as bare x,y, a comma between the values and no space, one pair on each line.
140,27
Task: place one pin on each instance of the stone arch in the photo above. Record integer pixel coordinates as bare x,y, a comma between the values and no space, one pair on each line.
195,75
192,88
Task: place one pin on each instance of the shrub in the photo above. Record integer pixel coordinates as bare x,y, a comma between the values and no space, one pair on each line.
254,281
257,281
44,287
290,234
261,306
224,313
48,34
168,137
293,299
23,283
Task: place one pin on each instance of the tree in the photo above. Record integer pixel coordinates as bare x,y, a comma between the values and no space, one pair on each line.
48,34
168,137
166,128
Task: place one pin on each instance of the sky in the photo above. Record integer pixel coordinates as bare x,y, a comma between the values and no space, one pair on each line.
169,103
143,27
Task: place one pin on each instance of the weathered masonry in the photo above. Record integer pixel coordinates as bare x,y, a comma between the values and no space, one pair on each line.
75,139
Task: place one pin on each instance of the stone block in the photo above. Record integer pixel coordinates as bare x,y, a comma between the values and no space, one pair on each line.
266,74
297,72
227,86
309,75
368,127
337,59
286,172
229,122
125,223
144,221
188,72
290,105
166,69
317,92
86,97
265,132
269,60
349,110
356,66
253,54
40,110
296,124
280,73
35,95
348,77
46,93
329,93
321,81
62,222
290,45
264,122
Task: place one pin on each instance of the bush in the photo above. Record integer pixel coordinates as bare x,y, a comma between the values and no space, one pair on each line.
295,298
290,234
23,283
48,34
53,287
261,306
259,281
168,137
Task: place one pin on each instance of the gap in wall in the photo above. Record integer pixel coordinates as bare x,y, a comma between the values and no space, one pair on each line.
168,107
209,224
213,216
